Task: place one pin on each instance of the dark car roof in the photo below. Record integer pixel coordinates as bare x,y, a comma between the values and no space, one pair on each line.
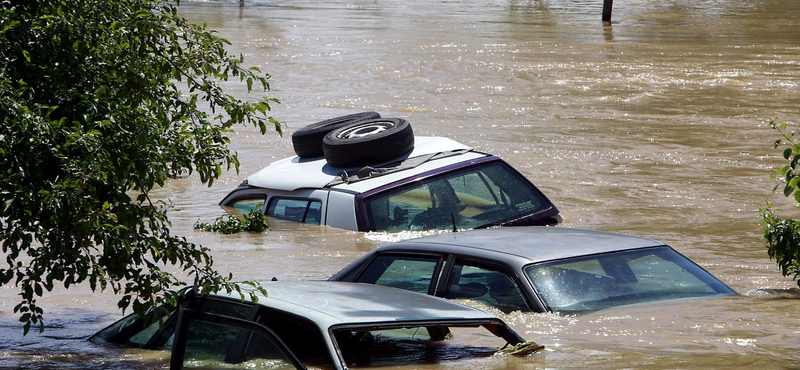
521,245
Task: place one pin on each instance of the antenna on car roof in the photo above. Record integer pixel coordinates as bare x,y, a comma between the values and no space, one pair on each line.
453,217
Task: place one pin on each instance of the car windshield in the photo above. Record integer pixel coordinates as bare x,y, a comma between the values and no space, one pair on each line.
612,279
474,197
414,345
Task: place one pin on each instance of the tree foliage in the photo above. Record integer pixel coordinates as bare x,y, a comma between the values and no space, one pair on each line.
100,102
783,235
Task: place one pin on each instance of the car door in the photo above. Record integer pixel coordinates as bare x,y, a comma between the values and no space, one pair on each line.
210,341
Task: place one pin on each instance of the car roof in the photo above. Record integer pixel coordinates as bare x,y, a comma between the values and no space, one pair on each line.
332,303
522,245
294,173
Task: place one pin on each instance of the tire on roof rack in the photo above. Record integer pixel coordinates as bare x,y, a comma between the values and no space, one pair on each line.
368,142
307,141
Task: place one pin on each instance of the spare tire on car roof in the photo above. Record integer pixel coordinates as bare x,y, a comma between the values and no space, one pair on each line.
368,142
307,141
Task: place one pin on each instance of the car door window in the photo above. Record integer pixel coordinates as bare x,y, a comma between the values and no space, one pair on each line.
490,286
207,341
300,210
416,274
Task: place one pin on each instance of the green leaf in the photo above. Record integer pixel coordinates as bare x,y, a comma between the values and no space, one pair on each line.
124,302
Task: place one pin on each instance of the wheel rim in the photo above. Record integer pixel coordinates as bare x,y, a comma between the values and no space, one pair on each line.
367,129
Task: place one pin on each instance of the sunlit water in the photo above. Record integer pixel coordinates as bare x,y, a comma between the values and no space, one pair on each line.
653,125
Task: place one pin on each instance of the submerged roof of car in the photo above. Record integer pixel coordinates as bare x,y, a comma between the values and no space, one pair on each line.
295,173
526,244
329,303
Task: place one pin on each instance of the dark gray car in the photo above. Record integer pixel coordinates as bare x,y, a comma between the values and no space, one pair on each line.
542,269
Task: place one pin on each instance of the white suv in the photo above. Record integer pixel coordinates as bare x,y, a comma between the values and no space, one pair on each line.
429,182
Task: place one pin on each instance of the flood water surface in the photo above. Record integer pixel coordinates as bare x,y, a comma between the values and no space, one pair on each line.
653,125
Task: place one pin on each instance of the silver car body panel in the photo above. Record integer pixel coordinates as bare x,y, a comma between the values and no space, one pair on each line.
332,305
528,244
339,211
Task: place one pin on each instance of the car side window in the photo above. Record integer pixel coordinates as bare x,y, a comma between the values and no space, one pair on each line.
214,341
247,205
300,335
300,210
492,287
409,273
137,332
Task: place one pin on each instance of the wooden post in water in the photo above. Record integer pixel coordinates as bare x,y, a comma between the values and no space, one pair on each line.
607,10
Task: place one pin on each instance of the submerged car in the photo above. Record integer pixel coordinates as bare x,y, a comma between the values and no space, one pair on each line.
374,175
540,269
322,324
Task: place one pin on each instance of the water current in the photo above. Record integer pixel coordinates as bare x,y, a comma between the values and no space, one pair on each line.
652,125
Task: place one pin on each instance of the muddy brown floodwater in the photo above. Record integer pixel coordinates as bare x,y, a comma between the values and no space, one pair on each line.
653,125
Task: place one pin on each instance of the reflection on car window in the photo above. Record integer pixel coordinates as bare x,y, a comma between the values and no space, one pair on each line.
302,337
216,345
414,274
613,279
488,194
374,348
494,288
301,210
137,332
235,309
247,205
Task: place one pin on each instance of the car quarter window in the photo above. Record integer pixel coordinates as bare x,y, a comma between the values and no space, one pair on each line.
301,210
473,197
410,273
487,285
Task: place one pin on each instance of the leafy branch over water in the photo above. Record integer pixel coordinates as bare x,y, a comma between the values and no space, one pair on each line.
254,221
783,235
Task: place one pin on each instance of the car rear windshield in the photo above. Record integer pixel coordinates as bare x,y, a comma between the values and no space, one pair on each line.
613,279
483,195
